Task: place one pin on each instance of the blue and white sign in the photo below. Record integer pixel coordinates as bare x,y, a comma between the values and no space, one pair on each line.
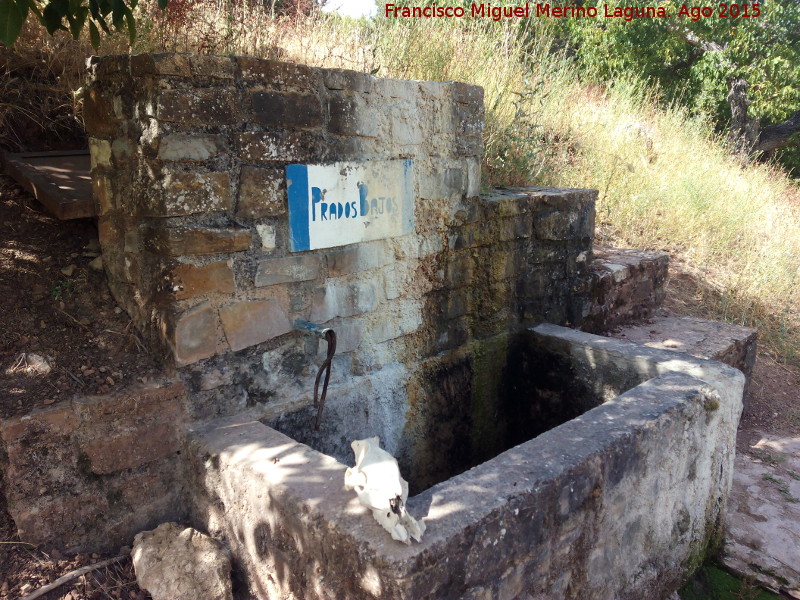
346,203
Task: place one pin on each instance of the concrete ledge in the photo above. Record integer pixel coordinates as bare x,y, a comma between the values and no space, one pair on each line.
730,344
588,509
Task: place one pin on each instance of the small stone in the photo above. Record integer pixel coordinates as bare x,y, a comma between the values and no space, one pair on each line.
97,264
84,321
110,380
92,246
117,310
68,270
42,325
103,369
25,588
116,375
49,401
176,563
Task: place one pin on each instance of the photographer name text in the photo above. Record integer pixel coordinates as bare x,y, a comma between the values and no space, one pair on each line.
521,11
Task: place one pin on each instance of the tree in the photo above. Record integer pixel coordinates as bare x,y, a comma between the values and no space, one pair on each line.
743,71
69,15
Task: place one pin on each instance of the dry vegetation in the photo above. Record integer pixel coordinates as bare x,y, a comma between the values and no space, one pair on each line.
666,182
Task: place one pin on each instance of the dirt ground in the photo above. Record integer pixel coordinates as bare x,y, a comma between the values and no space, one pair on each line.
62,334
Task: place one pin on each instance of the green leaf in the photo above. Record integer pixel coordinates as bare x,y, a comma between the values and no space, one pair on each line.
77,21
52,18
118,13
162,4
12,16
33,6
94,35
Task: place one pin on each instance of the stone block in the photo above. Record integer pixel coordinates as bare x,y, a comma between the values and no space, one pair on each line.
212,67
267,235
278,75
281,145
103,197
195,334
212,106
187,281
161,64
131,449
465,93
359,257
253,321
342,300
181,146
350,115
99,118
287,270
100,153
262,193
200,240
286,109
189,194
342,79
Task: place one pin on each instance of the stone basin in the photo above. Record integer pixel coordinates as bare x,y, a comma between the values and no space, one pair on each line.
622,500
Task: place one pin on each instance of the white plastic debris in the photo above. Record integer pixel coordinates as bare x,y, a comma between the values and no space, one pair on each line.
379,486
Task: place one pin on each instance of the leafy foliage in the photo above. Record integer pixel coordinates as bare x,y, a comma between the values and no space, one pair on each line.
71,16
692,60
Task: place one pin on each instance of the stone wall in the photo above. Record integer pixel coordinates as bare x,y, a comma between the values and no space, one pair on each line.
189,157
88,474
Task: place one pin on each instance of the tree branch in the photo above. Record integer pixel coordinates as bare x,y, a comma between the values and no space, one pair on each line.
691,38
777,136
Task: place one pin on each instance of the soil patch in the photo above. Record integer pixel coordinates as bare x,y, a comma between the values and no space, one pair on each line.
63,333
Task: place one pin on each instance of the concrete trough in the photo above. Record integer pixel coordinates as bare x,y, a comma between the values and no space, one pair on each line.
621,500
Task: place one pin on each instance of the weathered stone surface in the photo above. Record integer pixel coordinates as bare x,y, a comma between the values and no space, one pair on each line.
287,270
54,457
188,280
349,115
764,516
278,75
191,193
251,322
214,67
359,257
281,145
605,467
131,449
343,79
177,563
102,194
342,300
286,109
262,193
100,120
160,64
626,285
195,334
200,240
191,147
198,107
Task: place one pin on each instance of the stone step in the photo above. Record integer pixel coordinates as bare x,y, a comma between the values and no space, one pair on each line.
626,285
730,344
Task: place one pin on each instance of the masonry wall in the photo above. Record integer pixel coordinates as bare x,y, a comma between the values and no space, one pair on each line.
189,157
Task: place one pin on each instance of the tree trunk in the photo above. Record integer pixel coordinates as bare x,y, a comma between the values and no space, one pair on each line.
743,133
